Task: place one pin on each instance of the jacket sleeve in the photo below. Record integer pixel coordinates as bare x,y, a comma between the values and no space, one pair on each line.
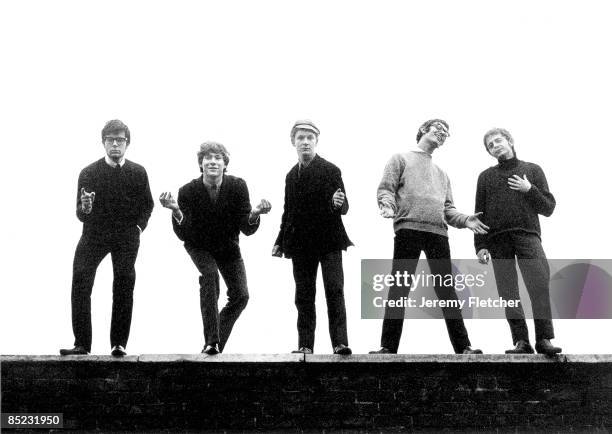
182,229
451,215
540,198
480,241
279,238
147,205
389,184
243,209
336,182
84,182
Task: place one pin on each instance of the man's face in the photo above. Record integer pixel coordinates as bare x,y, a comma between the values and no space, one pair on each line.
437,134
213,165
499,147
115,145
305,142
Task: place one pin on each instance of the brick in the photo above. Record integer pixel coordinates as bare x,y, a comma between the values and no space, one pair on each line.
368,409
335,396
398,422
242,393
486,382
375,396
602,407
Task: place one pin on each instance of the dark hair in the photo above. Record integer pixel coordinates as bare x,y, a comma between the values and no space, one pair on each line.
116,126
502,132
212,148
428,124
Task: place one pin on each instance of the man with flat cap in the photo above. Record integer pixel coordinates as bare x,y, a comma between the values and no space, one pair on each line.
312,233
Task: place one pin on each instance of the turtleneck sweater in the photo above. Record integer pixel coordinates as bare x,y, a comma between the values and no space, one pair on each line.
506,210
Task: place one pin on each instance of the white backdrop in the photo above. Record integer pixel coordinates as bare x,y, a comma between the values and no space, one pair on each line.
368,73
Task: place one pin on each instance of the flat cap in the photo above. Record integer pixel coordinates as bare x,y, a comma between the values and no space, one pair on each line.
304,124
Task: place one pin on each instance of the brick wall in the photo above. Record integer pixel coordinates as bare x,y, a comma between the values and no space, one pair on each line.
313,392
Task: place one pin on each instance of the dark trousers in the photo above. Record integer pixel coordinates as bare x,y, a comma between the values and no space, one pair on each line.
218,325
305,274
408,245
90,251
527,248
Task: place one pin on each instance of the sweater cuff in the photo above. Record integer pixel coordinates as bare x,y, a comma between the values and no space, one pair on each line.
534,192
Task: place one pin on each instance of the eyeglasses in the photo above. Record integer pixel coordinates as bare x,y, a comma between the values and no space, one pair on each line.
441,128
110,140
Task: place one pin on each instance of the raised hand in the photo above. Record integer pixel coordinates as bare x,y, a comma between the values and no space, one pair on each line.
475,225
168,201
483,256
263,207
386,211
338,198
520,184
87,200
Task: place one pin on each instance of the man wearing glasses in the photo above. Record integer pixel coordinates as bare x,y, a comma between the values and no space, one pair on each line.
114,203
417,195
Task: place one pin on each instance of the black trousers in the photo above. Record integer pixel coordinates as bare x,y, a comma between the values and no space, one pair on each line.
505,248
218,325
305,268
90,251
408,245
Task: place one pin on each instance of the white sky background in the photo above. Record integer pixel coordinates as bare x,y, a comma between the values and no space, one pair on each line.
368,73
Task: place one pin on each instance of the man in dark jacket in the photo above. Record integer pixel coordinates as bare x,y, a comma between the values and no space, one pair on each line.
114,203
209,215
312,233
510,196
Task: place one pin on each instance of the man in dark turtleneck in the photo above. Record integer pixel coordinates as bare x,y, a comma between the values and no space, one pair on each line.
510,196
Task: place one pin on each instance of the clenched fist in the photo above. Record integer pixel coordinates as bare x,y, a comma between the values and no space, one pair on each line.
87,200
338,199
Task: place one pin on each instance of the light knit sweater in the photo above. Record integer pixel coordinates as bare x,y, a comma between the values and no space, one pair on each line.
420,194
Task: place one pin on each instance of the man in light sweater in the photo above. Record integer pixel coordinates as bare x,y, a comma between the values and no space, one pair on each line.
417,195
510,196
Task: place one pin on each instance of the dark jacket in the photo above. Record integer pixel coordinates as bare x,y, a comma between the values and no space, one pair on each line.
215,227
123,197
507,210
310,224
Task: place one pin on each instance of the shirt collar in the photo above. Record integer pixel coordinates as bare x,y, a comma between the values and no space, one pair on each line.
111,163
303,166
206,184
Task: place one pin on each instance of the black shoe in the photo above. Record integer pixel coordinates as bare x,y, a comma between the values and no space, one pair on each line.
303,350
521,347
470,350
211,350
342,350
118,351
543,346
78,350
383,350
